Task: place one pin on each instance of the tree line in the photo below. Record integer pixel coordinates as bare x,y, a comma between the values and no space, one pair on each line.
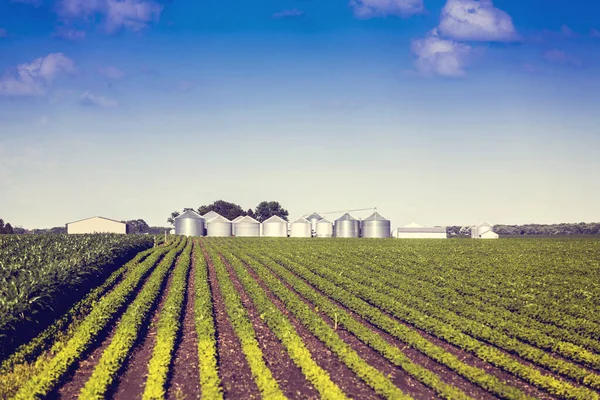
263,211
6,228
564,229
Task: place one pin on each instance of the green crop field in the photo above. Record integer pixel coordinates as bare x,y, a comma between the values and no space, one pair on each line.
336,318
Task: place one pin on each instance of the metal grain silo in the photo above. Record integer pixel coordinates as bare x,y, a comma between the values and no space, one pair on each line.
233,224
274,227
208,216
313,219
324,228
219,226
300,228
246,226
190,223
375,226
347,226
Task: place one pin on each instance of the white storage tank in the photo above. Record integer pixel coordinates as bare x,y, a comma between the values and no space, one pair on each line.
190,223
233,224
324,229
313,219
300,228
219,226
208,216
375,226
347,226
274,227
483,231
247,227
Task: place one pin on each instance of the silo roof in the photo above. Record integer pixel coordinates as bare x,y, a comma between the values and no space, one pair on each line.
189,214
346,217
210,215
246,220
375,217
324,221
218,218
274,219
301,220
314,216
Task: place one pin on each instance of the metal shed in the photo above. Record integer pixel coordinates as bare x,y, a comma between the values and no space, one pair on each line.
375,226
324,228
347,226
219,226
300,228
96,225
246,227
190,223
416,231
274,227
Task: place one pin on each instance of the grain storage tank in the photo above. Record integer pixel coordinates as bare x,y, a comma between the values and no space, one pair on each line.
208,216
313,219
324,228
274,227
246,226
300,228
219,226
233,224
190,223
375,226
347,226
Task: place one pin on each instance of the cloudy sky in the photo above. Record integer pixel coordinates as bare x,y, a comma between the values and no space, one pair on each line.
434,111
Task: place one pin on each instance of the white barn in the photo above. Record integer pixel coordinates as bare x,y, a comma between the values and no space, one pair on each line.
96,225
416,231
483,231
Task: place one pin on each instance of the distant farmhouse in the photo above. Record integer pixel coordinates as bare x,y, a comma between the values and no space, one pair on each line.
96,225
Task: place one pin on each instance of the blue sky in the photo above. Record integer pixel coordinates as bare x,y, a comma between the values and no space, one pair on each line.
439,112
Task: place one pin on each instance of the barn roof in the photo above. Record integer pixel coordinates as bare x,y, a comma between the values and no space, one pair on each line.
85,219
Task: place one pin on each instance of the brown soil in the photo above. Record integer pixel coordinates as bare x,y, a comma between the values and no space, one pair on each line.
234,370
132,380
339,373
462,355
79,374
290,377
185,379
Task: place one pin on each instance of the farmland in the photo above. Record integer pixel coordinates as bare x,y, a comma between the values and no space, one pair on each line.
328,318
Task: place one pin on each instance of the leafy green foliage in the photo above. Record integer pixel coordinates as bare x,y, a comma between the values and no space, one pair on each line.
267,209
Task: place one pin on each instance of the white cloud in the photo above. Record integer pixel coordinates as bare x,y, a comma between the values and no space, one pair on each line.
472,20
34,78
437,56
89,99
293,13
118,14
111,72
380,8
560,57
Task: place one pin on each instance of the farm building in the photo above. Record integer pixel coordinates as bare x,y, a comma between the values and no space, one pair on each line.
375,226
483,231
246,226
416,231
190,223
300,228
96,225
219,226
274,227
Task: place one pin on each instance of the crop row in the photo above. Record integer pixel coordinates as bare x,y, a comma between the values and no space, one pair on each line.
238,316
385,323
102,314
318,327
285,332
378,295
168,326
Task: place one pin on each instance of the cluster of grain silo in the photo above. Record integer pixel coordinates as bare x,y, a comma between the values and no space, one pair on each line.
324,229
483,231
219,226
247,227
347,226
301,228
375,226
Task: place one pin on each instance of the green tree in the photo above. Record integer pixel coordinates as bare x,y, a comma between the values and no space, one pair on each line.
8,229
250,213
267,209
1,226
171,219
137,226
229,210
